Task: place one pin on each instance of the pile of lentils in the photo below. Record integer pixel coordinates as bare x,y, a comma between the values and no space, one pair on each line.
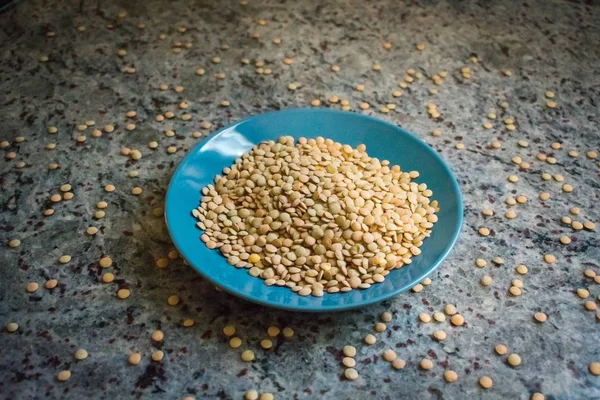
315,216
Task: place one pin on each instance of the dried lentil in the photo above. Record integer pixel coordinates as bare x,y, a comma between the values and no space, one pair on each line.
486,382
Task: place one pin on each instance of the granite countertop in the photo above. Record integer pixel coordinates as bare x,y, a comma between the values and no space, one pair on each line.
547,45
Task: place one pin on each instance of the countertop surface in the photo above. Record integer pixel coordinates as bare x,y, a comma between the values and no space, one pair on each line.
60,66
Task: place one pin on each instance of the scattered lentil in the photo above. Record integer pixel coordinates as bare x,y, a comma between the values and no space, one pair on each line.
105,262
349,351
32,287
251,395
349,362
515,291
379,327
370,339
80,354
173,300
63,375
351,374
439,335
157,355
247,355
425,364
583,293
540,317
51,284
134,359
486,382
450,376
235,342
288,332
389,355
514,360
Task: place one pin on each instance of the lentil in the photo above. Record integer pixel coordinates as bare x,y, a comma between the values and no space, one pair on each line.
540,317
32,287
515,291
425,364
423,317
105,262
590,273
349,351
173,300
51,284
590,226
583,293
63,375
450,376
288,333
457,320
351,374
514,360
386,317
247,355
517,282
349,362
235,342
134,359
80,354
379,327
157,355
251,395
439,335
389,355
486,382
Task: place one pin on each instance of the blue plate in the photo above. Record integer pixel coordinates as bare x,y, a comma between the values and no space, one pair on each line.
383,140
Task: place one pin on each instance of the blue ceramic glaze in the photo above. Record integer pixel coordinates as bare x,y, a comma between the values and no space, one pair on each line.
383,140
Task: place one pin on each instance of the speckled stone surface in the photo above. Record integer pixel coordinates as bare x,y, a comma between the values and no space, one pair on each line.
548,45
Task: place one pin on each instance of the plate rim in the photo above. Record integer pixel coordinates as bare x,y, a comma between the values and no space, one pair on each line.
399,130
